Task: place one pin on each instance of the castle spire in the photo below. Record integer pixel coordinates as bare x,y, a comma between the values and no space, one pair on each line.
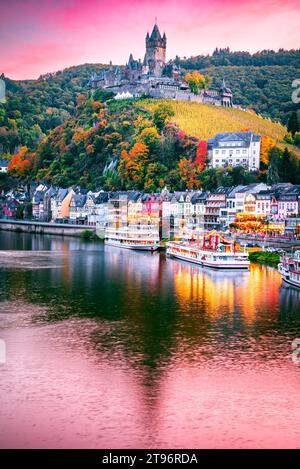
155,35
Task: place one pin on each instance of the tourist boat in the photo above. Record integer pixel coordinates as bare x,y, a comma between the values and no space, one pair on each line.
214,251
289,269
139,237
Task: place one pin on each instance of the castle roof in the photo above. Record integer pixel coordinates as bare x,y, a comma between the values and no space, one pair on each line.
224,88
155,35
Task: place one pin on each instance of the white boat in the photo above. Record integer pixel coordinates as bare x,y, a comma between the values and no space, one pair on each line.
138,237
289,268
214,252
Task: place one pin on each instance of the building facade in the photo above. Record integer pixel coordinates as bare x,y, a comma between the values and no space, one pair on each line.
231,149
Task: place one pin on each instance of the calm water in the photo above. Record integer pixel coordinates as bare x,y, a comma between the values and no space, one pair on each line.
111,348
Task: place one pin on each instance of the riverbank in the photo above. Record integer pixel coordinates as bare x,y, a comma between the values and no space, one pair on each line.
35,227
263,257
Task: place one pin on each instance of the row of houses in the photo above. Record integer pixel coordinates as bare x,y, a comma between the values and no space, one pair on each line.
205,210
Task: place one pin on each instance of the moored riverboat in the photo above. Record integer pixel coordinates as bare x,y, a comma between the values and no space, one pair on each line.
137,237
214,251
289,268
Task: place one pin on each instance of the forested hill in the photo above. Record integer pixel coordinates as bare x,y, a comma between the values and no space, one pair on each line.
261,81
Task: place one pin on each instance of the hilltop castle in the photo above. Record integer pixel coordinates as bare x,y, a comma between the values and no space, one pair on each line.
154,77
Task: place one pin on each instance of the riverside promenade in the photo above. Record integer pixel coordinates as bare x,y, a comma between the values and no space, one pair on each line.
37,227
280,242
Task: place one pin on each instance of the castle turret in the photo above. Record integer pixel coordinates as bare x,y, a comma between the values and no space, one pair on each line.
156,52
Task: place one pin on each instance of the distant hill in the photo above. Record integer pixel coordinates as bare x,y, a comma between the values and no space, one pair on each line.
260,81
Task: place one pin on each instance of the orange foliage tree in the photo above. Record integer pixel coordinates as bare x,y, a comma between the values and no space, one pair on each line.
21,163
201,155
188,173
265,146
132,166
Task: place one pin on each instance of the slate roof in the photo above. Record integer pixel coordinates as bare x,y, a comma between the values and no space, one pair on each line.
79,200
244,137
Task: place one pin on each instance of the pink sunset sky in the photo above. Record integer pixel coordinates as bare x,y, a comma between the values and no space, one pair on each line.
43,36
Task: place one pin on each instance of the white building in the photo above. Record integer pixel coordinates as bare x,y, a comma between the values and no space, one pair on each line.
4,166
234,149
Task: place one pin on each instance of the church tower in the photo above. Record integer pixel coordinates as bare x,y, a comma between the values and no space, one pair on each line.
155,58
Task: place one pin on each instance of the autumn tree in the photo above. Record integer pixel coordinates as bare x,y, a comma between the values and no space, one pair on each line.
21,163
265,146
201,155
188,172
150,137
132,166
196,81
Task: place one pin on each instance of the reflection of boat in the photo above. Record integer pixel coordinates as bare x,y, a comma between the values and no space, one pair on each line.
215,251
138,237
289,268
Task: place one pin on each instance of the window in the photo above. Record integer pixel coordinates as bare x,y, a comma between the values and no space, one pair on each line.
223,152
238,152
217,152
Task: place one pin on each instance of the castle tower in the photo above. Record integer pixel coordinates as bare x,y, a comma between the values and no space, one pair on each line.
156,52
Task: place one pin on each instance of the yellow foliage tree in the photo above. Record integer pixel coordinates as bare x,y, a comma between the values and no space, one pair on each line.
196,81
266,144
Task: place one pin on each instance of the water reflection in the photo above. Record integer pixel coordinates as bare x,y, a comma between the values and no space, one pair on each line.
175,351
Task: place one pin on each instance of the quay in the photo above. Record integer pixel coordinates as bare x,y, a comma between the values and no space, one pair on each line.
37,227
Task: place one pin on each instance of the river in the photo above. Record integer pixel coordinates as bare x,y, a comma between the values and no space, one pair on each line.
108,348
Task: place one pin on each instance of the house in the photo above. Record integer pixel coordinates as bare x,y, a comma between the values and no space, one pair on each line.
242,191
9,207
231,204
287,204
234,149
60,204
258,204
215,210
4,166
78,213
199,206
38,202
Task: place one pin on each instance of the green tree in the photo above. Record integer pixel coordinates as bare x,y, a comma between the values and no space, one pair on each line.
273,167
162,114
293,124
286,166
